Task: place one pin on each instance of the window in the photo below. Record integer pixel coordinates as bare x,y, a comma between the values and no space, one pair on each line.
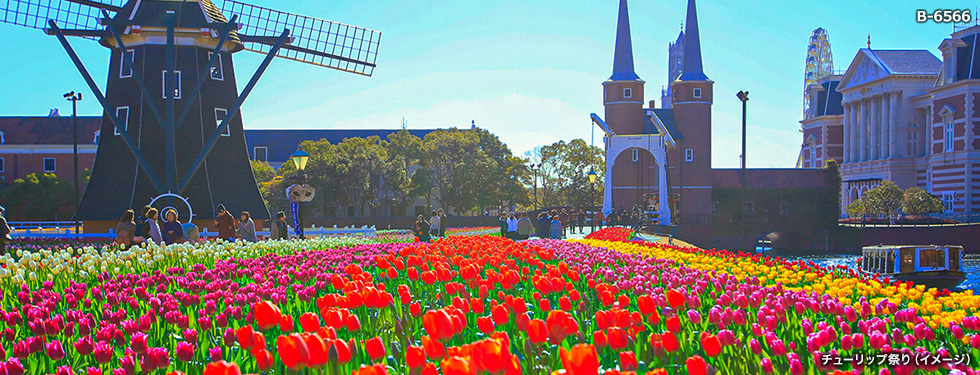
177,82
813,155
122,114
749,207
3,137
636,155
124,70
97,134
49,165
689,155
913,145
931,259
217,71
948,202
627,93
783,208
260,153
697,93
219,116
2,166
949,137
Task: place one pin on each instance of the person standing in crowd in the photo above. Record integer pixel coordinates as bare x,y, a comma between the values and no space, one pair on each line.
125,229
581,220
173,232
422,228
151,227
572,219
139,235
556,227
225,223
502,222
434,224
544,224
246,228
511,226
598,221
279,230
191,232
5,238
442,223
563,217
524,227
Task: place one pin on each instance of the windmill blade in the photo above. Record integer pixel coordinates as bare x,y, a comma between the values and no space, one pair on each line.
81,15
314,41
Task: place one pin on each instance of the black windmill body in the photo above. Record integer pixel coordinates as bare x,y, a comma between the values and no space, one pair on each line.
171,131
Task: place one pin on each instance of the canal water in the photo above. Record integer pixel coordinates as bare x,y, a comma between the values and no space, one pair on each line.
970,265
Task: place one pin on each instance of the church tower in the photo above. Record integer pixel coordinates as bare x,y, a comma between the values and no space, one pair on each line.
691,100
623,91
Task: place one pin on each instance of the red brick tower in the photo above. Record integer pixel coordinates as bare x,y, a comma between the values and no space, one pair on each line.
690,161
623,91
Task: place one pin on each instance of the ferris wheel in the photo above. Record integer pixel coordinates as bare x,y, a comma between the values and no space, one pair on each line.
819,63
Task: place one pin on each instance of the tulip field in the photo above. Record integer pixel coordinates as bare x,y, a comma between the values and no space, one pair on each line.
467,304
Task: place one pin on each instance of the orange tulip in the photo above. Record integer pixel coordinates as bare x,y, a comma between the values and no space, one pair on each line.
582,359
266,314
438,324
457,366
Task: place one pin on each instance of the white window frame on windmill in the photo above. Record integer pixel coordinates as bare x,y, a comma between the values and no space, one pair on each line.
177,91
125,121
217,68
125,72
218,119
627,93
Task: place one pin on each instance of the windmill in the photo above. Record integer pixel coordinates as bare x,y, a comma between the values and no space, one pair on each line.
171,135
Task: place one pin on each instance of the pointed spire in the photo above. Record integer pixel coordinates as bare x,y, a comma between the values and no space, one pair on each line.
692,47
623,59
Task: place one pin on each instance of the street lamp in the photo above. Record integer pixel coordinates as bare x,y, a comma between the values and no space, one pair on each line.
300,158
535,168
592,178
74,97
743,96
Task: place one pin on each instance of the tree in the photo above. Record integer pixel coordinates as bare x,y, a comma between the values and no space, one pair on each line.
919,202
38,197
855,209
270,186
457,167
404,152
564,172
262,171
883,200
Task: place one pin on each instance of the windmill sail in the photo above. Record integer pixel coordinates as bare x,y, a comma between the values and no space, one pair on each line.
315,41
79,15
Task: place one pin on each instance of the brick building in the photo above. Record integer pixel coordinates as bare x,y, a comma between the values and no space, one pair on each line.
44,145
904,116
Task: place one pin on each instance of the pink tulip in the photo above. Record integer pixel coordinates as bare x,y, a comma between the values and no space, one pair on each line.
215,354
185,351
694,316
103,352
766,365
84,345
756,347
64,370
795,367
13,367
54,350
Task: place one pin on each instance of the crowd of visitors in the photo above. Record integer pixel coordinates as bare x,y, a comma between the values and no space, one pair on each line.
435,227
135,230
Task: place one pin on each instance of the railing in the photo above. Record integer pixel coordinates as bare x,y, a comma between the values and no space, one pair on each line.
40,224
364,231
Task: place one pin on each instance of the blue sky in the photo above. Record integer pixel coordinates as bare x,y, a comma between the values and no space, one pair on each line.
529,71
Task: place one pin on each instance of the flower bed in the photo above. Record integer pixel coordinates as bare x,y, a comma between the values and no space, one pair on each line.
612,234
468,305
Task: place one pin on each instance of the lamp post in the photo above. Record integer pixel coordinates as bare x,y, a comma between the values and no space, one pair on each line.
535,168
300,158
592,178
743,96
74,97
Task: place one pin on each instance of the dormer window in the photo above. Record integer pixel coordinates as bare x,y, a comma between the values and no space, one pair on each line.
697,93
627,93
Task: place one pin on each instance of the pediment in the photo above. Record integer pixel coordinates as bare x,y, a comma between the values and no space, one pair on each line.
946,111
863,69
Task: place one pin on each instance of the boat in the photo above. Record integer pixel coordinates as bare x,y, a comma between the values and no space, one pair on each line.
935,266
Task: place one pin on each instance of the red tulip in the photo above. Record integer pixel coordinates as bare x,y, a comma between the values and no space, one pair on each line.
246,337
415,357
711,344
627,361
375,348
375,369
267,314
433,348
617,339
537,331
599,339
675,298
430,369
696,365
438,324
293,351
317,348
457,366
310,322
670,342
674,324
499,314
222,368
286,323
263,359
582,359
485,325
645,304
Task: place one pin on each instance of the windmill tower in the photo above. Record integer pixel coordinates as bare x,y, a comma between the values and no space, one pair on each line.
171,131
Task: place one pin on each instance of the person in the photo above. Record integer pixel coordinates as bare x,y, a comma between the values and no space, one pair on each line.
173,232
511,226
556,227
191,232
138,235
599,218
502,222
524,227
442,223
434,224
246,228
563,217
422,228
5,238
544,224
572,220
151,228
225,223
279,229
125,229
581,220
